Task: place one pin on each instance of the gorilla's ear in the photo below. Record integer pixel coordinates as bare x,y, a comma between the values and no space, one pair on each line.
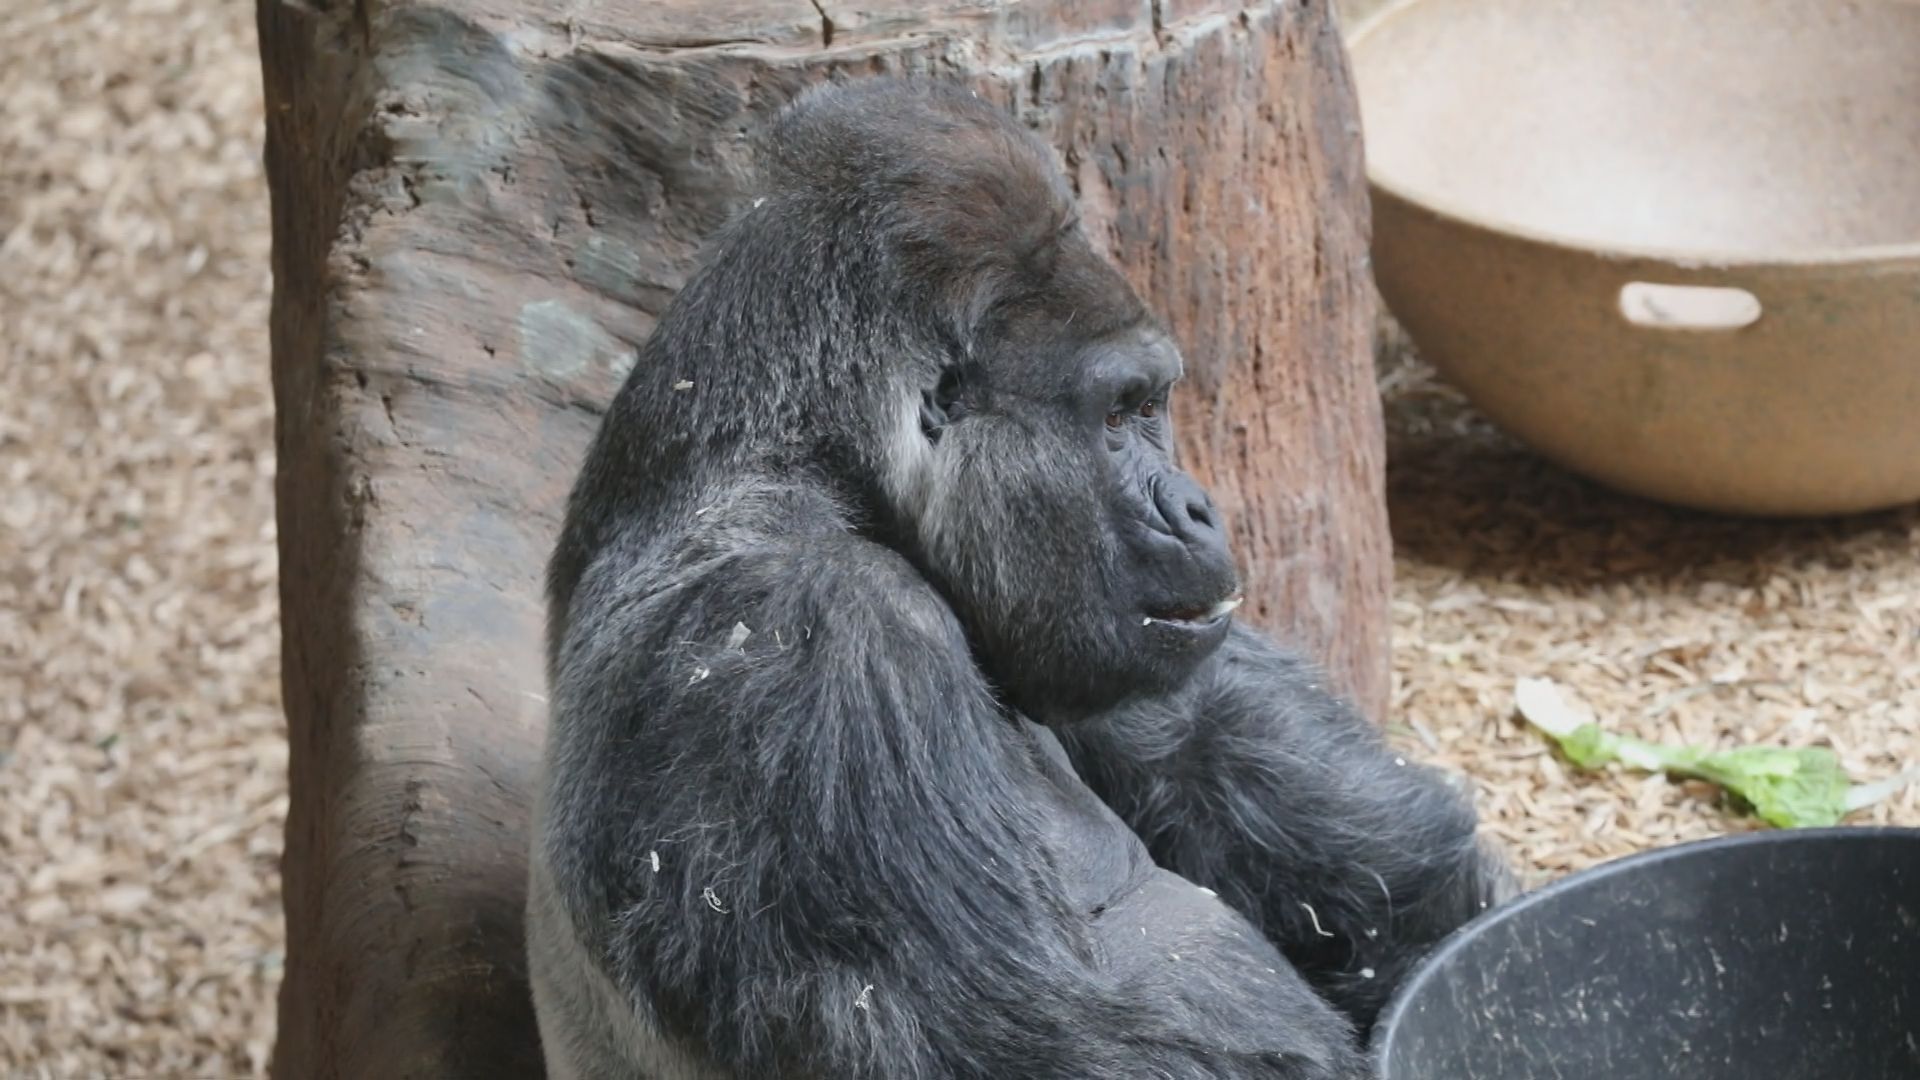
932,420
943,404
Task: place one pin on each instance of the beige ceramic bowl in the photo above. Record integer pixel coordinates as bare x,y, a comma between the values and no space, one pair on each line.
1671,244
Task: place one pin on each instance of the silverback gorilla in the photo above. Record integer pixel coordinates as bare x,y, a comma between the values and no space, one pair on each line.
900,728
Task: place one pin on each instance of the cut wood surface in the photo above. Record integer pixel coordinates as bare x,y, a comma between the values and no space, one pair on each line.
480,207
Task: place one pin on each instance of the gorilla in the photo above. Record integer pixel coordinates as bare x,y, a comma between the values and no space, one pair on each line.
901,728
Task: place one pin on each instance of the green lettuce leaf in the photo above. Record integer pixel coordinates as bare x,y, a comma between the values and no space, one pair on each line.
1785,787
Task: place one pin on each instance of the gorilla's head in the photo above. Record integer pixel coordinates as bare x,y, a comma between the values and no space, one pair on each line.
1087,566
1023,447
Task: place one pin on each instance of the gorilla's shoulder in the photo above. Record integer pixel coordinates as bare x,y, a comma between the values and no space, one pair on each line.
850,583
798,593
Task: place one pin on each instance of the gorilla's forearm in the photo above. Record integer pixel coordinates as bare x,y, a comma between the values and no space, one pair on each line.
1259,783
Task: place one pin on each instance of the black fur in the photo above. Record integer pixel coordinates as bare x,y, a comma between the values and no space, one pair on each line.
807,610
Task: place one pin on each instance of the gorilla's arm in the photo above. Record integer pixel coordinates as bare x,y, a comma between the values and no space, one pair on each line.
1257,782
793,828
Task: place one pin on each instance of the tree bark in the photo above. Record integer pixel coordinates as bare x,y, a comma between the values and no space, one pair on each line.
479,209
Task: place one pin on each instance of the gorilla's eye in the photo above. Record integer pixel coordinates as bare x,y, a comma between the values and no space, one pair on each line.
1149,408
1115,419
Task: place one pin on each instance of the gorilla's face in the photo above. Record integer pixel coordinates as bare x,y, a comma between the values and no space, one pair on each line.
1086,565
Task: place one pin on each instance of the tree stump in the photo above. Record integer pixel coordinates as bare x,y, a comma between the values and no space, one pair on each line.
479,209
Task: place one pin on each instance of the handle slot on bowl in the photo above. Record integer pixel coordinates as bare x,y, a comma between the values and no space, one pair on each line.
1688,307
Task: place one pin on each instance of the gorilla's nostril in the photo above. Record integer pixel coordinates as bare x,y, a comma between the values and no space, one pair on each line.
1200,513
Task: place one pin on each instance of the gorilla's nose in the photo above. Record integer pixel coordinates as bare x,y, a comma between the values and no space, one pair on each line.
1190,515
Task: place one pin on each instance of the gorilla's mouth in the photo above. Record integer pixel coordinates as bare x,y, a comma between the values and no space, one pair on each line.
1196,615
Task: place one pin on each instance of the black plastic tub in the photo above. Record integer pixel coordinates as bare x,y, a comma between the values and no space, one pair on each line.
1790,955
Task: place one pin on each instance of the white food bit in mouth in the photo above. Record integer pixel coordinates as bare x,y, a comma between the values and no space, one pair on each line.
1217,611
1224,607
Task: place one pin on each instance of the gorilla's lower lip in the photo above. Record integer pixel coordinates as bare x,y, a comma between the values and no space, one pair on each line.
1196,616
